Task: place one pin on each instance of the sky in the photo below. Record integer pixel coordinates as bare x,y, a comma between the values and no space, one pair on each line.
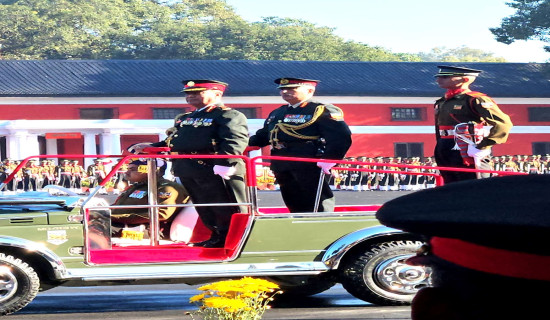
404,26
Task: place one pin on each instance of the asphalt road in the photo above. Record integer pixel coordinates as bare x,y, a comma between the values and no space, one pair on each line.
169,302
273,198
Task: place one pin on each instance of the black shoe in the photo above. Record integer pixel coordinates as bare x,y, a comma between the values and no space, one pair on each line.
210,243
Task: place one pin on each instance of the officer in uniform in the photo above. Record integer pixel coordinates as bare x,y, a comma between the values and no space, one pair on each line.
168,193
211,129
461,105
489,254
307,129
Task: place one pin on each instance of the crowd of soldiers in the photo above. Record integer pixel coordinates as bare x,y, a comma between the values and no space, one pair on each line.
421,178
406,179
68,174
71,175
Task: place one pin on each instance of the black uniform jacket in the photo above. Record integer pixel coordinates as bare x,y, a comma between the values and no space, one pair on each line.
313,130
213,130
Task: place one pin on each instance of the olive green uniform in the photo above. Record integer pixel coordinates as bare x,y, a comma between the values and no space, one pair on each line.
462,108
211,130
168,193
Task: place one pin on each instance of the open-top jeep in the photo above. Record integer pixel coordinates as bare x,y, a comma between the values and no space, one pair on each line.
58,238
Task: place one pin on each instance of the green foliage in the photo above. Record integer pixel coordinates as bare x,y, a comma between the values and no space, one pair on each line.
531,21
463,54
182,29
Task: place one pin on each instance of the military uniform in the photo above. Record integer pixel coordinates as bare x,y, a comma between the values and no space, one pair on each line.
308,130
214,129
31,176
66,174
168,193
488,253
465,106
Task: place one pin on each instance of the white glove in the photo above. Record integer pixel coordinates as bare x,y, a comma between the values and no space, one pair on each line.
477,153
326,166
224,172
138,147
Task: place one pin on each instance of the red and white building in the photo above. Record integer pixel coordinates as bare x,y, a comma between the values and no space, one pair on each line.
101,107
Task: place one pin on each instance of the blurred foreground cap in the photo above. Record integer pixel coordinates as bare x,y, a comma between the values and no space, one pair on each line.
498,225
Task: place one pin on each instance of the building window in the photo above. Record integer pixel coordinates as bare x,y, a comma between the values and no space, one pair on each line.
407,114
167,113
539,114
409,149
250,113
97,113
541,148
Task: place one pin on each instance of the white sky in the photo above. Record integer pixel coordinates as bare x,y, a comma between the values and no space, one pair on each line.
404,25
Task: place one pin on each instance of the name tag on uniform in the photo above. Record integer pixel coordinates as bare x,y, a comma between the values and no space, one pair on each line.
457,107
138,194
297,118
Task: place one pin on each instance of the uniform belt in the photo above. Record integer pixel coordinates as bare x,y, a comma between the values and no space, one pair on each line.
446,134
192,152
199,161
282,145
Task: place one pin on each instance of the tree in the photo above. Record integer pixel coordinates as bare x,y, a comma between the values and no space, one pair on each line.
462,54
169,29
530,22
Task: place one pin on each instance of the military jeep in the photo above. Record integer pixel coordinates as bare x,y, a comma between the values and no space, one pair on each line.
55,238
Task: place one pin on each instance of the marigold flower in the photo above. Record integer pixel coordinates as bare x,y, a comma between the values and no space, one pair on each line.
196,298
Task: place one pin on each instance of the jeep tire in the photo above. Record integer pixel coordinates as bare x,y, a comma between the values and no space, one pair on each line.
378,274
19,284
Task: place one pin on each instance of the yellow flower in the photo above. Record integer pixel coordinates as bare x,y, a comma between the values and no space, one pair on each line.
196,298
222,303
246,298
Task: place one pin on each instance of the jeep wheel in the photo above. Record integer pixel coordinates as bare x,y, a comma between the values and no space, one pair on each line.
379,274
19,284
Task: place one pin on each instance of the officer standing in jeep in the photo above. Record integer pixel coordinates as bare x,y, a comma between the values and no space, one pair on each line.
460,105
212,128
307,129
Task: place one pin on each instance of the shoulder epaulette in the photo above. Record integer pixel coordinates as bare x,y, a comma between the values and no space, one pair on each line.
181,115
212,108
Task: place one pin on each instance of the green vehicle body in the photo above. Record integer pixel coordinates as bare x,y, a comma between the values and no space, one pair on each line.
45,241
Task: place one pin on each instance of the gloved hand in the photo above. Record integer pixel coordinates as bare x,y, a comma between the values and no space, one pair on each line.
477,153
138,147
326,166
224,172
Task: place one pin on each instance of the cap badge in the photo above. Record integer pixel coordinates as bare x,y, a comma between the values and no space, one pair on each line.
190,84
284,81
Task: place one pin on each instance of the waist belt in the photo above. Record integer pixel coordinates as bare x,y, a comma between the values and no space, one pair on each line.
447,134
282,145
199,161
192,152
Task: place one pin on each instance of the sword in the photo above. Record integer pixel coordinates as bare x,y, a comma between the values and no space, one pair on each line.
319,187
478,163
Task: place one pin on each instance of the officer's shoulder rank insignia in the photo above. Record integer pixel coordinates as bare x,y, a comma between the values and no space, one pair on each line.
487,105
164,195
486,102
